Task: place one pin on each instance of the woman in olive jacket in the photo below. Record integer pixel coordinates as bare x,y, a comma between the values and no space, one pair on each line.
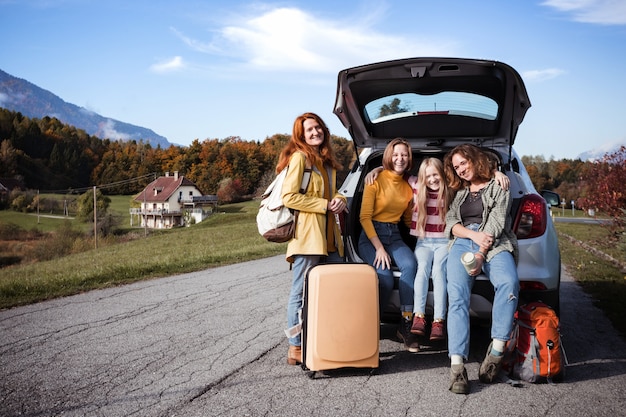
317,238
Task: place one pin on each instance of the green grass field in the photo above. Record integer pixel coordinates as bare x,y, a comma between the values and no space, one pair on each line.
603,280
48,221
227,237
31,221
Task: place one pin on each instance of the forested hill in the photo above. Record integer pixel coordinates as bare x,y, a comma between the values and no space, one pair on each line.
32,101
48,155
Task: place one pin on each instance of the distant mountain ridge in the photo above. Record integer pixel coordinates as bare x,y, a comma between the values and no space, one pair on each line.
32,101
598,153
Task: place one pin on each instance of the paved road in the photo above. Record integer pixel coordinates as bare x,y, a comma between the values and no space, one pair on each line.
210,343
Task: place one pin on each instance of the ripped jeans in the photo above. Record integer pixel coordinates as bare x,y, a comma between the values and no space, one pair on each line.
502,273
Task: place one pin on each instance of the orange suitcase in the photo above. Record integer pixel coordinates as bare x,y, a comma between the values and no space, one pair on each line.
341,326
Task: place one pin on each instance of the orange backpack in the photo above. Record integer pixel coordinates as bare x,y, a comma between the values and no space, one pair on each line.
534,352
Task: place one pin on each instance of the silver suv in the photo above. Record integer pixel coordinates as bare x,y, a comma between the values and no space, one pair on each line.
436,104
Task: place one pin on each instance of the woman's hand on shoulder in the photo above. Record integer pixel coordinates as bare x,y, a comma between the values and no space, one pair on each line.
503,180
372,175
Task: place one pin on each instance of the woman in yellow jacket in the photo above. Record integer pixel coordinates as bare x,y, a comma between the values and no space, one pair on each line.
317,238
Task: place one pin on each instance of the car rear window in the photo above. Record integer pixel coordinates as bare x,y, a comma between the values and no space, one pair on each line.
452,103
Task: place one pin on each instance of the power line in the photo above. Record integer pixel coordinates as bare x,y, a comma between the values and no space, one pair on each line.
127,181
101,186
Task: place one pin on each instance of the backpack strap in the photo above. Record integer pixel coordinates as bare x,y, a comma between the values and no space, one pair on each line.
306,177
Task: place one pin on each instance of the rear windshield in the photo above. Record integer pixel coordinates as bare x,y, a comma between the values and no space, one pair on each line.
453,103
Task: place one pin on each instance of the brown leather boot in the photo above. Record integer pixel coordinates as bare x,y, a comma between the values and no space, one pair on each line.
294,355
438,331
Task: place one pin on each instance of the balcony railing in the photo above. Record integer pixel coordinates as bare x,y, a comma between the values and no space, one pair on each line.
199,199
160,212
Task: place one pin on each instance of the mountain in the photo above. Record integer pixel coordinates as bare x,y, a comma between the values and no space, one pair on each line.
598,153
22,96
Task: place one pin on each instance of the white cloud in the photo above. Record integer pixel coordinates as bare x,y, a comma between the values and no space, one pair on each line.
603,12
195,44
542,75
87,111
173,64
107,130
286,39
10,99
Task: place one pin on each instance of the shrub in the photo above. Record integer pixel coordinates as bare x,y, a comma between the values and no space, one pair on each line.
10,231
230,191
57,244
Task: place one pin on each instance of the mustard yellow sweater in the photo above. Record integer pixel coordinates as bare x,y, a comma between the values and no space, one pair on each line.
388,200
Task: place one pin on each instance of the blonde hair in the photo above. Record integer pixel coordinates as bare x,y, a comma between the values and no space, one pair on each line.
444,194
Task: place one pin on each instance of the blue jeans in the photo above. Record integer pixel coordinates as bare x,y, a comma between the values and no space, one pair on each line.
402,256
301,264
432,255
502,273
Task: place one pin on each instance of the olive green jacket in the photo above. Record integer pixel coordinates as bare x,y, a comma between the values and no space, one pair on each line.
496,218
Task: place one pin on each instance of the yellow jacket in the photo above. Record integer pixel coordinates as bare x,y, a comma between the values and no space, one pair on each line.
310,236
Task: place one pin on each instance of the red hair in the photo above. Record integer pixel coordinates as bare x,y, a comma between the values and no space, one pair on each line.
297,143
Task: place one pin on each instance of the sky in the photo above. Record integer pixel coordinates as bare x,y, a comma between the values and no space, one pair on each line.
212,69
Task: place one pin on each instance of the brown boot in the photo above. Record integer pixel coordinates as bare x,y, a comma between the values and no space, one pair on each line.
294,355
419,325
437,331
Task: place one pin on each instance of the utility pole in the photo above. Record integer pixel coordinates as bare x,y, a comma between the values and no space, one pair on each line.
145,215
95,220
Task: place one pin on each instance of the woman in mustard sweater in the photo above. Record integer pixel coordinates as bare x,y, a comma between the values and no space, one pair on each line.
386,202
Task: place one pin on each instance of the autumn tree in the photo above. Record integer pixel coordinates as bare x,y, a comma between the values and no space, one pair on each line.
605,186
105,221
345,153
537,168
86,205
8,159
230,191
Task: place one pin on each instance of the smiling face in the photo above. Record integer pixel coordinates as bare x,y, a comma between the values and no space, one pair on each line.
313,133
432,178
463,167
400,158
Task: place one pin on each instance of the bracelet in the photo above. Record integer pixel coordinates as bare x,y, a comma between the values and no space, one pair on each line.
482,255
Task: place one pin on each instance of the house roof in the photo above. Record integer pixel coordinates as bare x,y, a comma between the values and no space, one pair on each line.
165,186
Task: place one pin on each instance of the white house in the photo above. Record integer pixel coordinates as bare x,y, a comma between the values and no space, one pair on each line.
171,201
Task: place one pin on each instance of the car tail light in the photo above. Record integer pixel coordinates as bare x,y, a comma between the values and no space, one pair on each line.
531,217
531,286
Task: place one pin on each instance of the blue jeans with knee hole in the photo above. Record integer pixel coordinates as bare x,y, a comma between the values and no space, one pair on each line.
502,273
